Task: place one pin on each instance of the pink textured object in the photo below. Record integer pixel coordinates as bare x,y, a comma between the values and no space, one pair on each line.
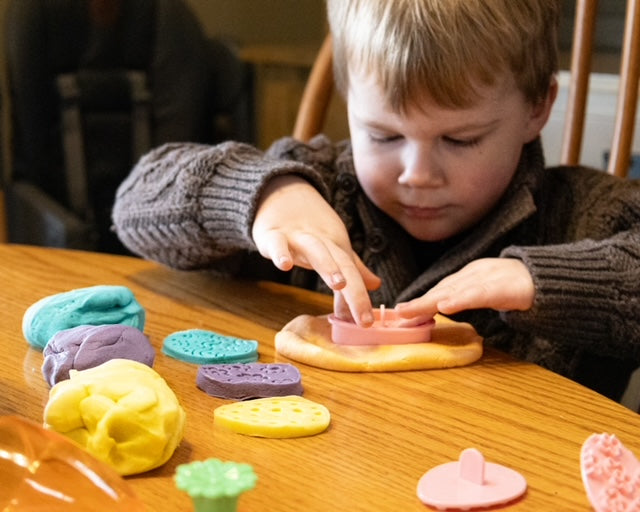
386,330
610,474
470,483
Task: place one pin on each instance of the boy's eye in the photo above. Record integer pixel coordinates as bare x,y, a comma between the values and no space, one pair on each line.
462,143
383,139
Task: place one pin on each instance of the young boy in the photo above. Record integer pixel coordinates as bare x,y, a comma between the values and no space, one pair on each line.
439,203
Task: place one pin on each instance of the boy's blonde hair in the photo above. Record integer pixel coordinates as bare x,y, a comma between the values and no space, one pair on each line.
445,48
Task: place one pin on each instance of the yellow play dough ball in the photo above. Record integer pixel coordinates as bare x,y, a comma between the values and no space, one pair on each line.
123,413
277,417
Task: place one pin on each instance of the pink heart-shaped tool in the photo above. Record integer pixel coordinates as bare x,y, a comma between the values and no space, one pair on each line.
610,474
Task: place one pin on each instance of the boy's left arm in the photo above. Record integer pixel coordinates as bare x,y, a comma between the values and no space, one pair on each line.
577,281
494,283
585,292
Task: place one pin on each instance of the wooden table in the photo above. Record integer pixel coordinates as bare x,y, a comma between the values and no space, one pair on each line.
387,430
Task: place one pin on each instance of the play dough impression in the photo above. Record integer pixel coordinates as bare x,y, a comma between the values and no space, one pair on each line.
282,417
307,339
207,347
122,412
95,305
249,380
610,474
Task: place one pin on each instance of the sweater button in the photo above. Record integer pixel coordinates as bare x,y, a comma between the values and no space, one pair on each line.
347,182
377,241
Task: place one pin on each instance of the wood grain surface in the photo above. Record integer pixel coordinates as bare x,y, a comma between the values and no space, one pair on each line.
387,429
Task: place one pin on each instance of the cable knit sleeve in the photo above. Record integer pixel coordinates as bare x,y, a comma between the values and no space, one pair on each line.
588,291
189,206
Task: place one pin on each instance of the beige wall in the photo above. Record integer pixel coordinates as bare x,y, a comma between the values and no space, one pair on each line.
250,22
244,22
257,21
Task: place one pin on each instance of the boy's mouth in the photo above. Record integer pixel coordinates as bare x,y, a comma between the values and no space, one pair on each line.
423,212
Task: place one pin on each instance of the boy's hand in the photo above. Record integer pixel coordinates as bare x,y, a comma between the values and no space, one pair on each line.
503,284
294,225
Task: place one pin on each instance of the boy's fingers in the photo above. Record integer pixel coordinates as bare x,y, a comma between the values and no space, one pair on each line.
339,269
307,252
341,308
323,257
422,307
359,307
273,245
359,280
371,280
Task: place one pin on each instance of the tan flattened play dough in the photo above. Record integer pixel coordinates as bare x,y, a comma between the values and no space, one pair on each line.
307,339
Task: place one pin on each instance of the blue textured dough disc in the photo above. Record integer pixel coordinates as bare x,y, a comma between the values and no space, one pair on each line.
207,347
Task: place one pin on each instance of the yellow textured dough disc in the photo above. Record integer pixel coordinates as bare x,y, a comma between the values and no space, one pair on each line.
278,417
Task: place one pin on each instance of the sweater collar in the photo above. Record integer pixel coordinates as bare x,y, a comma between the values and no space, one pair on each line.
516,205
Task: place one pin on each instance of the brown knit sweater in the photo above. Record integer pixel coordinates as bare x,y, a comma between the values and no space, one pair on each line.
578,231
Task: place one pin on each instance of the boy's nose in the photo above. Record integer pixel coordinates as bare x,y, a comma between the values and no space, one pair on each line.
421,168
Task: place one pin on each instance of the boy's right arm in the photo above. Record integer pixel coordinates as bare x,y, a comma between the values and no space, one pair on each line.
191,206
294,225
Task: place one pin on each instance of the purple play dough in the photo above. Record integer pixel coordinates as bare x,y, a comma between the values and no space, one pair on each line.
87,346
242,381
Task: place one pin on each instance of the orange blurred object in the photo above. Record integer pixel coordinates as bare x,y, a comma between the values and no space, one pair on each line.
43,470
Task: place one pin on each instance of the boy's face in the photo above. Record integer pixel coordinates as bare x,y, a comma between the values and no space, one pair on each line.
437,171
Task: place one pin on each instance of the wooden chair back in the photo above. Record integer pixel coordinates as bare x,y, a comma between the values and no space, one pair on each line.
580,70
317,94
3,219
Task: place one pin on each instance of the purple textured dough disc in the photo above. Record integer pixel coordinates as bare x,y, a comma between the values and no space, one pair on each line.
242,381
87,346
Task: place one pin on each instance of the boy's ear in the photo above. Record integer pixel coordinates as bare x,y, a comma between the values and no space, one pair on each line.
541,111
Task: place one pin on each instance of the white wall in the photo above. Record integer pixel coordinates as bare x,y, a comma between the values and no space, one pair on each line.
599,121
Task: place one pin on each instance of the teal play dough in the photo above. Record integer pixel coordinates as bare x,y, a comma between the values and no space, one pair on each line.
207,347
95,305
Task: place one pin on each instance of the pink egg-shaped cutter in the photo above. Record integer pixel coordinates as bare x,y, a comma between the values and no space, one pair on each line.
387,329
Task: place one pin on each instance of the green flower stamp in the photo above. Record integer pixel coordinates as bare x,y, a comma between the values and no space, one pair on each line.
214,485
